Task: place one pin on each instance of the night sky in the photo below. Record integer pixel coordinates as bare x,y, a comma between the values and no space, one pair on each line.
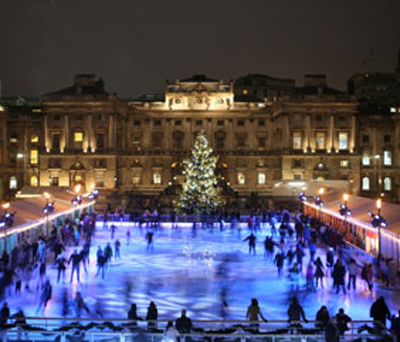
136,45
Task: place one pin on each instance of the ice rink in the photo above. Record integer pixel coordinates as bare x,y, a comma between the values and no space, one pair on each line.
187,270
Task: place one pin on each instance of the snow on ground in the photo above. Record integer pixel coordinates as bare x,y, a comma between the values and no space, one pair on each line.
182,272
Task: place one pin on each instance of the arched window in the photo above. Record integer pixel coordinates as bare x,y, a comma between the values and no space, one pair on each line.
13,183
387,184
34,181
365,184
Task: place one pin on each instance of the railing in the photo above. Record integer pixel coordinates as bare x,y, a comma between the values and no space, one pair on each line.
79,329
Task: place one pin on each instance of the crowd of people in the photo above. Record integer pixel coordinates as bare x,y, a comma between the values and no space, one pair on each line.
291,245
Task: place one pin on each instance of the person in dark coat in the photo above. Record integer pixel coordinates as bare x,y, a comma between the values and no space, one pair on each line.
296,312
132,315
342,321
152,315
319,272
75,259
184,324
338,274
4,315
252,243
322,317
279,261
380,311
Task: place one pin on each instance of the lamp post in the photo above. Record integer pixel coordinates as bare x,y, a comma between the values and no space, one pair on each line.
4,222
345,211
378,171
319,202
77,200
48,209
378,221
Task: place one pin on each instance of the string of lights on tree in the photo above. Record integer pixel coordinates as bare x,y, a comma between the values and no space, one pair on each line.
199,190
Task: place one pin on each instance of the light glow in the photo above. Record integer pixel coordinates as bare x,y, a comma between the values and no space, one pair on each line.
379,203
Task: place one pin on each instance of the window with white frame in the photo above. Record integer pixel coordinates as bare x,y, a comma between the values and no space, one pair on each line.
343,141
137,179
387,184
241,178
320,140
365,186
262,179
387,158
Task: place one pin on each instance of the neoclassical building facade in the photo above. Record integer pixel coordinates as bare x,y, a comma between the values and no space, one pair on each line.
271,146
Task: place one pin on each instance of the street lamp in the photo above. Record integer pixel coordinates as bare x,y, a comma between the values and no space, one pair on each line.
48,209
319,202
378,221
6,221
378,171
94,193
77,200
345,211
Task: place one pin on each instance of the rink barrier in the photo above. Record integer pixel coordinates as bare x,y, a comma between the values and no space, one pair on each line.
48,323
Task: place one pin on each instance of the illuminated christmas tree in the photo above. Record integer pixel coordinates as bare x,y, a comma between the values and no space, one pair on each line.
199,190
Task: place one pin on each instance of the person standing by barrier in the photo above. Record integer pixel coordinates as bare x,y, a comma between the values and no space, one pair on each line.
152,315
184,324
254,313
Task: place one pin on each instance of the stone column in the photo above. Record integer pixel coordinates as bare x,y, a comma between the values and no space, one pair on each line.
331,142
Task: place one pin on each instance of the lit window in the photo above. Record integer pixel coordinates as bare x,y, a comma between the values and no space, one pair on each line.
34,181
34,139
344,163
365,184
78,136
241,178
343,141
320,140
297,176
366,161
297,143
13,183
157,178
137,179
387,184
34,157
245,92
261,178
13,139
387,158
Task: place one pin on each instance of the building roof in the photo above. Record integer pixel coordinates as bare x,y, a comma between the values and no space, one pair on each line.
150,98
360,207
247,98
199,78
315,90
263,80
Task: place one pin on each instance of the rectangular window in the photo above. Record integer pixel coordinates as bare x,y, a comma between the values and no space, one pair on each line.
13,139
240,122
365,139
137,179
319,118
297,176
157,179
34,139
100,141
34,156
261,142
99,179
387,138
220,142
136,142
78,137
387,158
261,178
296,163
56,117
366,161
297,141
79,117
178,123
320,140
136,123
55,141
241,178
54,181
220,122
343,141
261,122
199,122
344,163
157,123
241,142
157,141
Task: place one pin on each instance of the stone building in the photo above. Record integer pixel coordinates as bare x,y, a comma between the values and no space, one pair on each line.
276,146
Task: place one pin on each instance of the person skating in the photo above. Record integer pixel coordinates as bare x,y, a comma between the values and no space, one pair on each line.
80,304
310,278
61,263
252,243
319,272
45,296
149,238
117,247
108,254
353,269
380,312
279,261
75,258
184,324
338,274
